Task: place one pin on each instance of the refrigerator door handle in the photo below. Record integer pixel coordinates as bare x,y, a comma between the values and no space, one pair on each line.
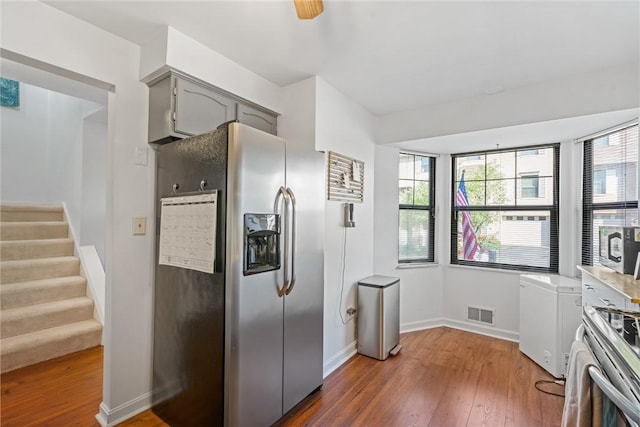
292,282
284,225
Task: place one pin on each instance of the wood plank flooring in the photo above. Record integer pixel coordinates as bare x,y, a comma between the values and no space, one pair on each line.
442,377
65,391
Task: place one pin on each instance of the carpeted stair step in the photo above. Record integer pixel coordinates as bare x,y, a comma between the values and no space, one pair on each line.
25,230
20,294
31,318
34,269
24,350
27,212
30,249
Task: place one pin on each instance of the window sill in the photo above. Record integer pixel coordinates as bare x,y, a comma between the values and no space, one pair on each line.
496,270
410,265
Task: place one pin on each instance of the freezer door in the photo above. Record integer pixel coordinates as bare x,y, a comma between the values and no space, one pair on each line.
303,322
254,311
189,316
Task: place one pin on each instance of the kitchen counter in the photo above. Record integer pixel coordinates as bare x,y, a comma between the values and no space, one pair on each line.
622,283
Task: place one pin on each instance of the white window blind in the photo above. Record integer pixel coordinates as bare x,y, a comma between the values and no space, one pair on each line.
610,186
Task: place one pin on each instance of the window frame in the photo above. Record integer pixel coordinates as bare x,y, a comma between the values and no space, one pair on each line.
589,208
553,209
430,208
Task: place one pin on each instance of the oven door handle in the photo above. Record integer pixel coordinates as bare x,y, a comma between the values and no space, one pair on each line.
580,332
620,400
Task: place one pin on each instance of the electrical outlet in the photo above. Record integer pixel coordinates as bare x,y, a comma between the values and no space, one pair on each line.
139,226
351,312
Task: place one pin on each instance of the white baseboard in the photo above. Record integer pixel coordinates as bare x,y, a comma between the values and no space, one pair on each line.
94,273
482,330
476,328
339,358
421,325
91,269
110,417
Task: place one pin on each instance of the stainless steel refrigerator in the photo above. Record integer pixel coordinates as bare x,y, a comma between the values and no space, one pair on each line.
238,342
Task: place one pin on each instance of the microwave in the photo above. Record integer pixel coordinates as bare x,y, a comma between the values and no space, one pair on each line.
619,247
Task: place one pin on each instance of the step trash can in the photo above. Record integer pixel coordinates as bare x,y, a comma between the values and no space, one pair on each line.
379,316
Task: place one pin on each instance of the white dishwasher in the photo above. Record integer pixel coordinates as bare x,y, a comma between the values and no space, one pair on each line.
550,313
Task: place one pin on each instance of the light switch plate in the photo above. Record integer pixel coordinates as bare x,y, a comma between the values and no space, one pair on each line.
139,226
142,156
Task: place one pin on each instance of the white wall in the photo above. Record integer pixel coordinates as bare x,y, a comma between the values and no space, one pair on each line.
298,119
344,127
63,44
64,154
42,151
94,182
421,287
24,148
440,294
494,290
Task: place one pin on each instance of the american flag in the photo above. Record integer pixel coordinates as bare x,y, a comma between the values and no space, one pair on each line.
469,241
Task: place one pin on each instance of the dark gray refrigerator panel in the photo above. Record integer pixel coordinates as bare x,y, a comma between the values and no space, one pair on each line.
188,358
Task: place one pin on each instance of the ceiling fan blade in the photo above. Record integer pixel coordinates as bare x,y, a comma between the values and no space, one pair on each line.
308,9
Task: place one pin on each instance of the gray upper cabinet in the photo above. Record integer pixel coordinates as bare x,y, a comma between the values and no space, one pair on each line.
256,118
180,106
200,109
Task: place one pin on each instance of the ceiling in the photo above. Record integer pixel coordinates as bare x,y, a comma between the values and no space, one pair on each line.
552,131
393,56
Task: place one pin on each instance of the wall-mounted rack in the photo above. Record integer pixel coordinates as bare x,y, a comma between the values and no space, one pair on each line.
345,178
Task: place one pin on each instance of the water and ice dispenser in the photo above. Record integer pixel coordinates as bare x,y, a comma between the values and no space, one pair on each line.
261,243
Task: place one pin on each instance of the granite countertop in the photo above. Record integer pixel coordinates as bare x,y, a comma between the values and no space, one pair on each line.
623,283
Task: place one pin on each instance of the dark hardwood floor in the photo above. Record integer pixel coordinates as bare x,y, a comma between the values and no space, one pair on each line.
442,377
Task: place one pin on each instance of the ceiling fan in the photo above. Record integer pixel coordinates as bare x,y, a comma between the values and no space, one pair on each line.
308,9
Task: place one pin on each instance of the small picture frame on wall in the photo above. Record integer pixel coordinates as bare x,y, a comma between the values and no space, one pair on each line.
9,93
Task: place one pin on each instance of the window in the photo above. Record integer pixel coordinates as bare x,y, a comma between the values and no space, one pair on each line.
502,215
609,188
416,219
529,186
600,182
532,152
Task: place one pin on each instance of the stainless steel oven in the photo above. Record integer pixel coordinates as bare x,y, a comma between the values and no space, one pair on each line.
613,338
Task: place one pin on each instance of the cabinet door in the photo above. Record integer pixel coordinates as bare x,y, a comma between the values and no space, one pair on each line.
257,119
199,109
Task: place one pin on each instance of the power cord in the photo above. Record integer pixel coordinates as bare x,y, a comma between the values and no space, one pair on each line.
557,382
344,264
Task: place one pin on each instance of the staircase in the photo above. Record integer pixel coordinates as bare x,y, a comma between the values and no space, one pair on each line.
44,308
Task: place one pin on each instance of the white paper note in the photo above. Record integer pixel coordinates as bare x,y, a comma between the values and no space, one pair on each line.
188,231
